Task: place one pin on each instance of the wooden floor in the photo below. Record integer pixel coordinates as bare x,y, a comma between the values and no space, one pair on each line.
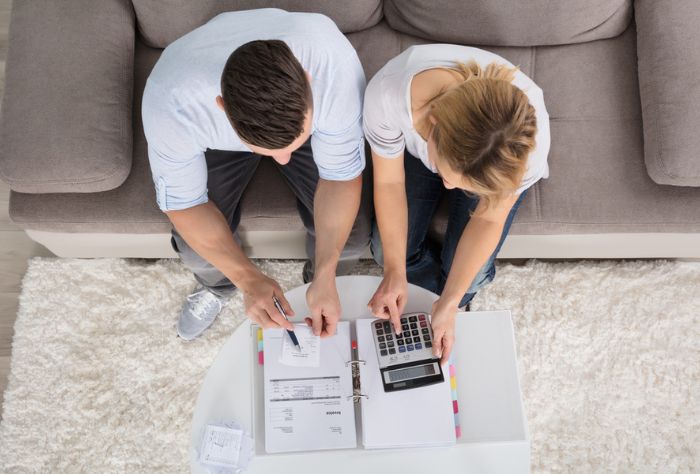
15,247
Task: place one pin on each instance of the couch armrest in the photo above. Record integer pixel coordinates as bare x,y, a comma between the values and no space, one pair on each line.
668,54
67,111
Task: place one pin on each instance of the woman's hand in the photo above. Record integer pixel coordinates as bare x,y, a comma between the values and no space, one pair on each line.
389,300
442,320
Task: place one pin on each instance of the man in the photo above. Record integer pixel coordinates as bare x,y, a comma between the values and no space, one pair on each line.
246,86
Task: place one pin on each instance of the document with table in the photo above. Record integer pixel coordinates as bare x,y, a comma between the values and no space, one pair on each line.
311,397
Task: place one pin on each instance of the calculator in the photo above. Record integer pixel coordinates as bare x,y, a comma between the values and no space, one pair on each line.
406,360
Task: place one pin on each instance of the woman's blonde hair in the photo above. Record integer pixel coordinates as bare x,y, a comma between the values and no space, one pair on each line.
485,129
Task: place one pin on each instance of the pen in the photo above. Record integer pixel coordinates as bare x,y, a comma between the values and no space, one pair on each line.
292,336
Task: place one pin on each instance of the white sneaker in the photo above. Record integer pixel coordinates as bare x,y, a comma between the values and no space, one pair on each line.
198,313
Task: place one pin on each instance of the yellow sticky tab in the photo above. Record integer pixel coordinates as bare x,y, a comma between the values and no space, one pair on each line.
453,383
260,338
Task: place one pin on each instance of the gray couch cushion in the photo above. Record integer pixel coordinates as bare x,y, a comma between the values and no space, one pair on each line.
163,21
668,48
375,46
510,22
66,124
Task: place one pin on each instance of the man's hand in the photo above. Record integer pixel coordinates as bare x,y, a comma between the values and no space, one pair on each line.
258,291
324,304
389,300
443,316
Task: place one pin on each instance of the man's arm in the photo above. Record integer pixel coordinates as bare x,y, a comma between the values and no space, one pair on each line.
204,228
336,204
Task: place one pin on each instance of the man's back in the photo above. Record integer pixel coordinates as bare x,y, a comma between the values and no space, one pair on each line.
181,119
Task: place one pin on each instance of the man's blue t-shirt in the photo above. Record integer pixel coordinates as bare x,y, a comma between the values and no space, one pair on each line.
181,119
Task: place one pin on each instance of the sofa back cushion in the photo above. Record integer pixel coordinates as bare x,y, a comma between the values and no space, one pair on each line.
510,22
161,22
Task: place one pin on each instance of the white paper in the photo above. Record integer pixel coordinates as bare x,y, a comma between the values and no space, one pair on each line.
414,417
221,446
309,353
308,408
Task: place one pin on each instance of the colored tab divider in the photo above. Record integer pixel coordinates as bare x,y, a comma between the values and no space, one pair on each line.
455,404
261,354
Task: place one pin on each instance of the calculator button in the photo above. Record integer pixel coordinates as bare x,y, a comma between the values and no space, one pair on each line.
383,352
387,327
400,341
409,347
402,348
414,332
425,331
378,325
421,317
426,337
382,345
390,344
379,332
428,344
423,324
404,327
380,338
418,346
416,339
413,319
414,326
392,351
389,337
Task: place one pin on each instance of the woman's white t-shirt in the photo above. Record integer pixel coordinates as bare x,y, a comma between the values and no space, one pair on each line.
388,123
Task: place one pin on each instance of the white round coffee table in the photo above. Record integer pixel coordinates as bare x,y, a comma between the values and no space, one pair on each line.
494,428
226,390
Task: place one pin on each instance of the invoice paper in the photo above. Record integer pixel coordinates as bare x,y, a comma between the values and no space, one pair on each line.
309,352
309,408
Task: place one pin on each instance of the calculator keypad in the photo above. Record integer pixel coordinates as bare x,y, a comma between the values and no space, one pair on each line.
414,342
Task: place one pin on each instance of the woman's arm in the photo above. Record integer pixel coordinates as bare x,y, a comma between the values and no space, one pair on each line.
478,241
392,218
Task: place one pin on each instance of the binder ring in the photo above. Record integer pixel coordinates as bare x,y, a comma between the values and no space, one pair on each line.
356,398
354,362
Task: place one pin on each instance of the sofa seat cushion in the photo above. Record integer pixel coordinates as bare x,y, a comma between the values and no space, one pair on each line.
509,22
161,22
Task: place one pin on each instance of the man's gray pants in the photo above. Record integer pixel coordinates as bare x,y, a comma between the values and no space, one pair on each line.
229,173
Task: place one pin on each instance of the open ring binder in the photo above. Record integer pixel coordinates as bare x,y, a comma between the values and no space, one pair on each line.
344,395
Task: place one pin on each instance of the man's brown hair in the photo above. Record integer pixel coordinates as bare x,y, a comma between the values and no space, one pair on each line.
266,94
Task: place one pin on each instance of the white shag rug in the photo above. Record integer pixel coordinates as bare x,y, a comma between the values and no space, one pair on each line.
609,360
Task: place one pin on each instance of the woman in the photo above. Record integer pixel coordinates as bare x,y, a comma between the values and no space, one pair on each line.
445,119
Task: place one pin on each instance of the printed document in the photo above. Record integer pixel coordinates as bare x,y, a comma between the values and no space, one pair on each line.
309,408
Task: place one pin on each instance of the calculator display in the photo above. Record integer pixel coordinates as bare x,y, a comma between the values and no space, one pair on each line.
412,372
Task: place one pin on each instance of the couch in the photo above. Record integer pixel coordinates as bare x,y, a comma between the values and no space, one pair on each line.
620,79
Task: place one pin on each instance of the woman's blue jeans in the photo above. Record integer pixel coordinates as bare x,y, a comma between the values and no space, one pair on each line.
427,262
